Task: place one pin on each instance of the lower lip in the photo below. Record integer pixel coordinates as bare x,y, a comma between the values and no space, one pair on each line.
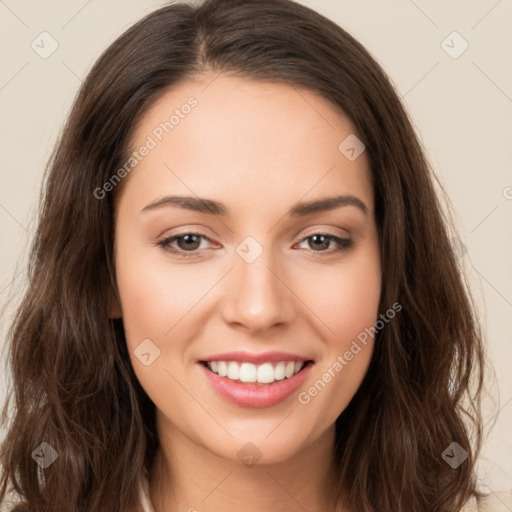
250,395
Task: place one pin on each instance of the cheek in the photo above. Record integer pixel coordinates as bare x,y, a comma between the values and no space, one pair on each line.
347,302
155,294
154,310
142,304
346,298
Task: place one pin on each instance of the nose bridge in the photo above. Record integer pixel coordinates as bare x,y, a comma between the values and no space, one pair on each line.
257,297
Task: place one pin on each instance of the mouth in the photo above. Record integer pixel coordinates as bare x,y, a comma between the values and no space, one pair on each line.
264,374
257,384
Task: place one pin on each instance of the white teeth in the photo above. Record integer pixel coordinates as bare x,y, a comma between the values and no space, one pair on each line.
289,370
247,372
233,371
279,371
222,368
265,373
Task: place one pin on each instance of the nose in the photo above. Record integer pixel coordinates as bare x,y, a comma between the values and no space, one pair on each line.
257,295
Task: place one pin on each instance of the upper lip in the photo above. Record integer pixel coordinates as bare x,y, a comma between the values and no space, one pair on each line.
247,357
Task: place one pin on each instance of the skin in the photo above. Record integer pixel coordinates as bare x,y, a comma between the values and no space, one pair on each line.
259,148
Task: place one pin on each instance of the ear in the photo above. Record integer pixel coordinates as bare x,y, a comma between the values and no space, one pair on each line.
114,306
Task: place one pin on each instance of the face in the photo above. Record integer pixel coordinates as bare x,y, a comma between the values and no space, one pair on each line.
260,284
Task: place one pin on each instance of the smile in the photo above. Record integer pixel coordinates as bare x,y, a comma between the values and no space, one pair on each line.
265,373
255,385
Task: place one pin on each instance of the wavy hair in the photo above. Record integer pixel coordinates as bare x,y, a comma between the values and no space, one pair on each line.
73,386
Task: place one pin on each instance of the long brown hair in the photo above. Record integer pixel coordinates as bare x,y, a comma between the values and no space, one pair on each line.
73,384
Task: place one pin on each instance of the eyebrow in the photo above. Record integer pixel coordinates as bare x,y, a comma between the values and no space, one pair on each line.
301,209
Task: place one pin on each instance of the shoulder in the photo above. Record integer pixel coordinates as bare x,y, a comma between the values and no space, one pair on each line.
490,503
470,506
144,494
11,498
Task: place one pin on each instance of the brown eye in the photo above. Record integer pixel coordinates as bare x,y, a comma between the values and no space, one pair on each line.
320,242
186,243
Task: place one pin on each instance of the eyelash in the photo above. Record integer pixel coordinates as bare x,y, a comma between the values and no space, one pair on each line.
344,244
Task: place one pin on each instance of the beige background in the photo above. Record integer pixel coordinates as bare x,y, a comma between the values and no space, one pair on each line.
461,107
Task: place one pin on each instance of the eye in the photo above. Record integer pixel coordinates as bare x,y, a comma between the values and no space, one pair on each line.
323,240
187,243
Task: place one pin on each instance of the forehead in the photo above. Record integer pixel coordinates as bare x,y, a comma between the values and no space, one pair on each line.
249,141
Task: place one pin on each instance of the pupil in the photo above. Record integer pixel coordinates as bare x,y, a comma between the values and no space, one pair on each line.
189,240
315,238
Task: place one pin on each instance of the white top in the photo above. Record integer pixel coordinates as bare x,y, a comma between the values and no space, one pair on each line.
471,505
145,497
488,504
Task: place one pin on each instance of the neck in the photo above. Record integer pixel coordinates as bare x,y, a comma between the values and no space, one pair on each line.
188,477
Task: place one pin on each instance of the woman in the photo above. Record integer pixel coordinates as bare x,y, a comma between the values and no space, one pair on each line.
242,291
